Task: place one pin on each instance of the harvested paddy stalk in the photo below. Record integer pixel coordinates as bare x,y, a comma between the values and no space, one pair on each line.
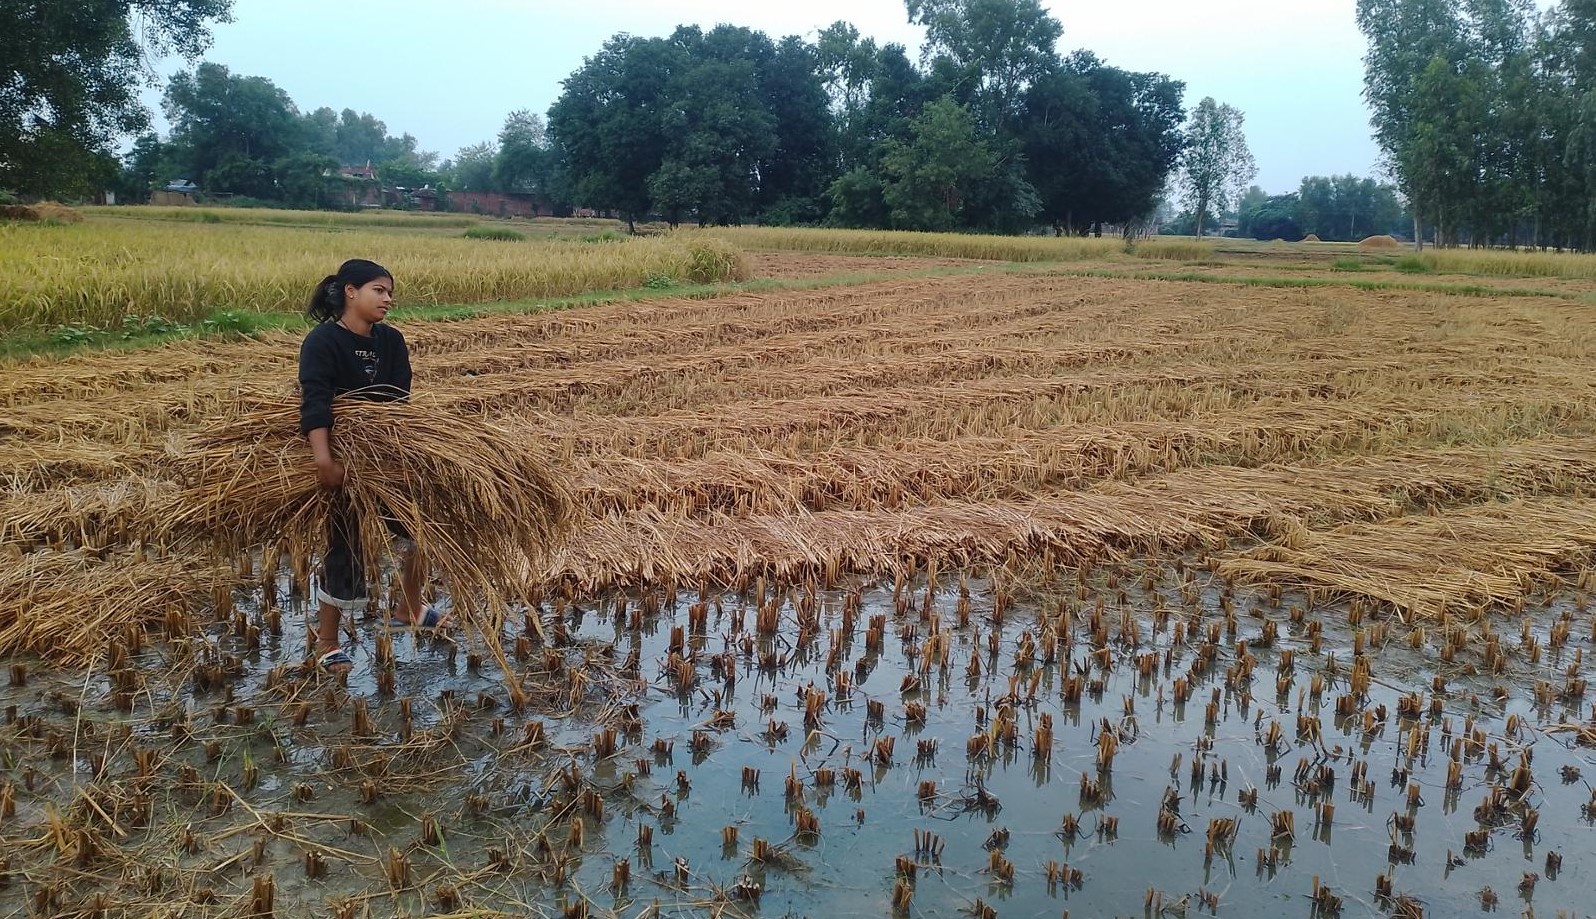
481,504
68,605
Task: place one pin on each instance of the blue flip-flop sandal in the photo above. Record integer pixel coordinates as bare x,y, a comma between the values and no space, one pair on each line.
337,657
431,618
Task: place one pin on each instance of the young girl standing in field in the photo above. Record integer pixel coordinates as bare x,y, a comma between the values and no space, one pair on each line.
352,351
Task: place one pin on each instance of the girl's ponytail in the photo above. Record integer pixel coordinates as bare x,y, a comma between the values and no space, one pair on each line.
327,300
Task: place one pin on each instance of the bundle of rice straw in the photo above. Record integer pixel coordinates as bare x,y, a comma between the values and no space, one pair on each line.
479,503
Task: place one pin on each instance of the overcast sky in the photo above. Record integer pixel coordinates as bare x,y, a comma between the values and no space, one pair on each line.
448,72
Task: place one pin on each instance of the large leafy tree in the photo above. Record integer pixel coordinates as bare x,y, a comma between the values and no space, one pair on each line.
217,115
717,124
930,182
995,47
801,163
1404,37
472,168
1216,165
524,161
608,122
69,87
1101,142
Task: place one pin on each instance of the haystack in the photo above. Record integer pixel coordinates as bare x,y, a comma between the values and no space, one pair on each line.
1312,238
481,502
1379,242
47,211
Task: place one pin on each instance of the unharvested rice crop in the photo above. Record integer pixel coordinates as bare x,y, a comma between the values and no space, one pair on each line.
99,272
942,245
1175,250
1500,263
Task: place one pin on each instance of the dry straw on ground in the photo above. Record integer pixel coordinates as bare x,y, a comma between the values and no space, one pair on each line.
481,503
1426,566
871,427
1379,242
68,604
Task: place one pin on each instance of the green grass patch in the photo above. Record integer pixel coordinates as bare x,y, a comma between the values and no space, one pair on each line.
1347,264
498,233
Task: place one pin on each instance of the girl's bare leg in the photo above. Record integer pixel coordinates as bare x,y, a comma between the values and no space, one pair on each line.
412,573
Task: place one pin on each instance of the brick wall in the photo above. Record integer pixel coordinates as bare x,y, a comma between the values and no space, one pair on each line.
494,204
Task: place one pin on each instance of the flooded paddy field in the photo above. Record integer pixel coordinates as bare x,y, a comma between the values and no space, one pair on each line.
1141,740
1023,591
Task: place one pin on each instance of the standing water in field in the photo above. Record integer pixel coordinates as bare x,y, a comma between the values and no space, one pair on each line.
1146,743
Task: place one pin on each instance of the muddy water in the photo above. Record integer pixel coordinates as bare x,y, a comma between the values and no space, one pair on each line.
504,814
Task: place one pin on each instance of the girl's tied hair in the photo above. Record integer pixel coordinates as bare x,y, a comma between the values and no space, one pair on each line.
327,300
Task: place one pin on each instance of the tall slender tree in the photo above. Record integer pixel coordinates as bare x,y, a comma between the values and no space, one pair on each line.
1216,165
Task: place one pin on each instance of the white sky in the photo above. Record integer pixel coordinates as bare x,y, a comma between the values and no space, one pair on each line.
448,72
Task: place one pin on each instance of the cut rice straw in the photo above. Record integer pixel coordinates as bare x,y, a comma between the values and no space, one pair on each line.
477,499
1464,561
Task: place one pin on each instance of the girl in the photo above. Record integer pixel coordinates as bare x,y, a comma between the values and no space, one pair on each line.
352,351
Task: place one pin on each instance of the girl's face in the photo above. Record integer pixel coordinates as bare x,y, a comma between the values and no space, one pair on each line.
370,302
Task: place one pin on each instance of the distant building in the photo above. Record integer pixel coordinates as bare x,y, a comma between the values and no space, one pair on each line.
359,172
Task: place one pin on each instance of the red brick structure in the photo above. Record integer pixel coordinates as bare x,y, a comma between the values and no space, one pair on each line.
487,203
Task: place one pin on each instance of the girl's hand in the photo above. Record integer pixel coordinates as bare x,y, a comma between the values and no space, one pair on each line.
331,473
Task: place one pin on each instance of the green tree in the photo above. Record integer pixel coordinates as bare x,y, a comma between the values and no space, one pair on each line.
241,174
928,183
1405,37
304,178
472,169
145,166
1100,142
1217,164
856,199
607,122
70,81
359,138
997,47
216,115
794,172
1271,217
524,158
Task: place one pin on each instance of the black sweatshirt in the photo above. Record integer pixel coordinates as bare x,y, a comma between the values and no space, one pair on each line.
334,361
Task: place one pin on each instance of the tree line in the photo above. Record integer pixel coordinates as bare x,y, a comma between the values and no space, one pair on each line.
1486,113
990,128
987,127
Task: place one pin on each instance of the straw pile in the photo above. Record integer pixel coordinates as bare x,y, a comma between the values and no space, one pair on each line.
1379,242
1312,238
478,500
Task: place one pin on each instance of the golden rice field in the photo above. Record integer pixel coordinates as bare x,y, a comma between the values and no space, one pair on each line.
966,562
99,271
